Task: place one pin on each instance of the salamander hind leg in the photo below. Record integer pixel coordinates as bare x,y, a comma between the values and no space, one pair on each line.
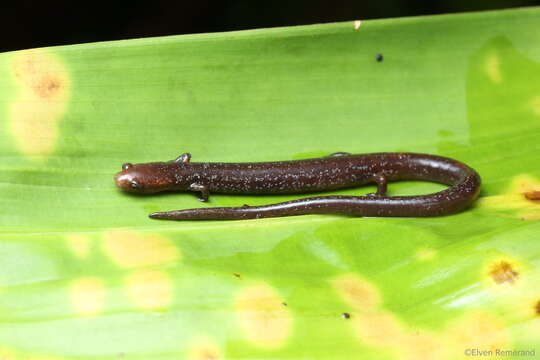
382,185
203,189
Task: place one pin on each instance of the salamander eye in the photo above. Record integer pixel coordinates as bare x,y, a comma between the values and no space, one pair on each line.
134,184
126,166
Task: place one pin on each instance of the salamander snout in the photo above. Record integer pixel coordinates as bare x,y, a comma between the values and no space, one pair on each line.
145,178
128,182
133,178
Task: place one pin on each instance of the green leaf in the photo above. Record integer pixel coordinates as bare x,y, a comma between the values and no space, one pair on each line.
85,274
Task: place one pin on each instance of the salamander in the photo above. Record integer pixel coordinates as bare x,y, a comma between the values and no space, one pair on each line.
337,171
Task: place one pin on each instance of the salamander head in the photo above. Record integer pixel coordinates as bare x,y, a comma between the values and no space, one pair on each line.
146,178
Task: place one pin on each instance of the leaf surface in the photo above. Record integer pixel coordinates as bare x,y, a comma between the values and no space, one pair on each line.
86,275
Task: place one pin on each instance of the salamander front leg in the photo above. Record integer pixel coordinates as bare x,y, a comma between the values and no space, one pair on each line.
382,185
203,189
341,153
184,158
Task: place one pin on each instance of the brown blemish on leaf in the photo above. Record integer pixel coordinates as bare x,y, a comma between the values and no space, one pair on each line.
40,102
522,195
346,315
537,308
532,196
47,87
38,72
503,272
237,275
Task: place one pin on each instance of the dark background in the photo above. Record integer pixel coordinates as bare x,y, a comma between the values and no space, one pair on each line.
28,24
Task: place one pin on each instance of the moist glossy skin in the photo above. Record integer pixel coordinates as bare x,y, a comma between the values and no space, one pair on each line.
336,171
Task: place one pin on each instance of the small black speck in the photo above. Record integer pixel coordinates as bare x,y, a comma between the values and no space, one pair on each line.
379,57
346,315
237,275
284,303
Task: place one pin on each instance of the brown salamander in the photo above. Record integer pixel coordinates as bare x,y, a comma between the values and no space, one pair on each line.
336,171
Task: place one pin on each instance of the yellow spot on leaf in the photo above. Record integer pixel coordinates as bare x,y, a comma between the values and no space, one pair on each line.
40,357
535,104
420,345
517,197
40,102
359,293
204,350
523,183
476,331
263,318
527,215
7,353
79,244
493,68
150,289
87,295
426,254
379,328
131,249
